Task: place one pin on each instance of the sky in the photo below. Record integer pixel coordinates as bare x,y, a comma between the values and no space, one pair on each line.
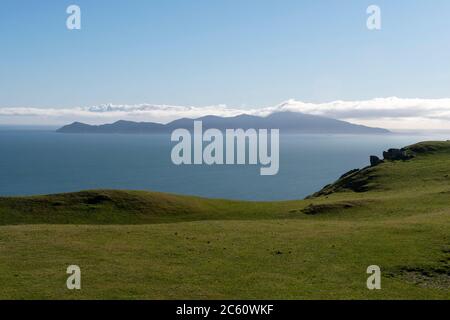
155,60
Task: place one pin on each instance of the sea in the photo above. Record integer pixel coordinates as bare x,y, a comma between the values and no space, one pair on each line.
35,161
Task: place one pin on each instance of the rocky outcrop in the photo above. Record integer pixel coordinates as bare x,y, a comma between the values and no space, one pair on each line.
354,180
374,161
396,154
391,155
349,173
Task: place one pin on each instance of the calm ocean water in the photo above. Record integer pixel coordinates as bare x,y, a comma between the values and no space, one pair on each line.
43,162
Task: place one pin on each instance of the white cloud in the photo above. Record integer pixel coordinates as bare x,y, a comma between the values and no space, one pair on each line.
393,113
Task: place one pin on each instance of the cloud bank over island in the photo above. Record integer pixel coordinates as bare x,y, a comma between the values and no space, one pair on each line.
391,113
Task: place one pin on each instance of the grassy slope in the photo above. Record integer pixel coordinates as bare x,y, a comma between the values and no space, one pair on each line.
152,245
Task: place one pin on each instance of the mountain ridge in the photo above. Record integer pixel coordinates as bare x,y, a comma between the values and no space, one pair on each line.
286,121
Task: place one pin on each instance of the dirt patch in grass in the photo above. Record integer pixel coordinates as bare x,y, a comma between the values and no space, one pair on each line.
438,278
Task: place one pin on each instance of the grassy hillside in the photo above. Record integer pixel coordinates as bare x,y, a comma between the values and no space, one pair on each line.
132,207
134,244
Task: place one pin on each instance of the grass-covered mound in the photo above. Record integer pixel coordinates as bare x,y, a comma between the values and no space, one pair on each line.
134,244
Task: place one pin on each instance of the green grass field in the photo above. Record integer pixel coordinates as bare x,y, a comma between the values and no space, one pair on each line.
143,245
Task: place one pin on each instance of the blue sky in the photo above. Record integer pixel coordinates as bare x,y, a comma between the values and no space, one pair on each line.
242,53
